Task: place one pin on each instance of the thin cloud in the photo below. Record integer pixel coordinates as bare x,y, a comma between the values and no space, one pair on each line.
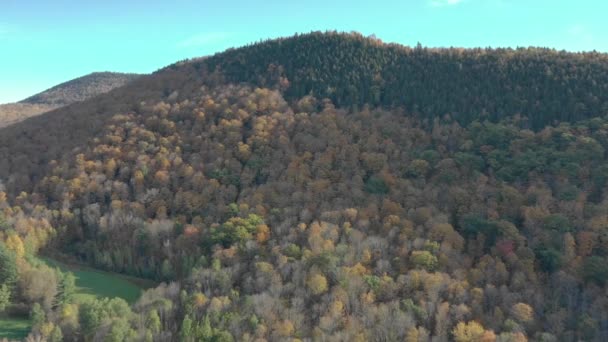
203,39
441,3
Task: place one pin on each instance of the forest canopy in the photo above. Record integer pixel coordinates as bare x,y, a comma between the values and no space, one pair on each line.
323,187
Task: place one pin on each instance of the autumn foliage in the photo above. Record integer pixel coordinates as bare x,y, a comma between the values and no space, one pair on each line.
282,213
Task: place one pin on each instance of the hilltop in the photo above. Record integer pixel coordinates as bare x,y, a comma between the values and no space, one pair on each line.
325,187
66,93
81,88
537,85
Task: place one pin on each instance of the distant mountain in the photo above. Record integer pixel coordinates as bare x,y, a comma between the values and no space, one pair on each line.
82,88
12,113
66,93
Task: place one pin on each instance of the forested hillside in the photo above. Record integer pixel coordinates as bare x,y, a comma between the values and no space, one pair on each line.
63,94
542,86
81,88
12,113
275,208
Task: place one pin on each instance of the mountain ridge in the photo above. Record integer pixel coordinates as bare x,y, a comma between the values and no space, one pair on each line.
72,91
489,94
81,88
353,69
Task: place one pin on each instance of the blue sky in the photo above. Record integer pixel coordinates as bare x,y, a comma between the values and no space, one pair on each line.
46,42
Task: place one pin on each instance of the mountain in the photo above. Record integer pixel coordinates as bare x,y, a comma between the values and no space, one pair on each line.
535,86
11,113
76,90
541,85
323,187
82,88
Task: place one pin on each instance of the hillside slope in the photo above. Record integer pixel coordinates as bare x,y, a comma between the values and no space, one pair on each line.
81,88
76,90
12,113
542,86
284,215
534,86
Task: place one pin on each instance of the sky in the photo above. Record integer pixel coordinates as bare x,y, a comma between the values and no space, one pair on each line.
47,42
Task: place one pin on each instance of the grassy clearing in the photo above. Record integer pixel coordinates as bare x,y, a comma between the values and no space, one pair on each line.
92,283
14,328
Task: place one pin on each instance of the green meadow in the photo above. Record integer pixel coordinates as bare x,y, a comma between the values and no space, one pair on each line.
14,328
90,284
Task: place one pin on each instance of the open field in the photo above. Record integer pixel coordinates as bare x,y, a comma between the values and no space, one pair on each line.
92,283
14,328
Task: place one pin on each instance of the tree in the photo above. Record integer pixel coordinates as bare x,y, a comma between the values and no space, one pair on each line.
166,270
186,329
56,335
512,337
550,259
153,321
8,266
236,230
37,315
263,233
558,223
223,336
587,327
474,225
205,332
120,331
317,283
14,243
412,335
39,285
90,316
376,185
522,312
418,168
199,299
469,332
5,297
595,269
284,328
424,259
586,241
67,287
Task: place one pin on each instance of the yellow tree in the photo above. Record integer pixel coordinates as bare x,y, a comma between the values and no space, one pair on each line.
14,243
472,332
317,283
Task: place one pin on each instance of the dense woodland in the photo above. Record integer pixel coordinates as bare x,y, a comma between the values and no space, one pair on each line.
290,208
541,85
